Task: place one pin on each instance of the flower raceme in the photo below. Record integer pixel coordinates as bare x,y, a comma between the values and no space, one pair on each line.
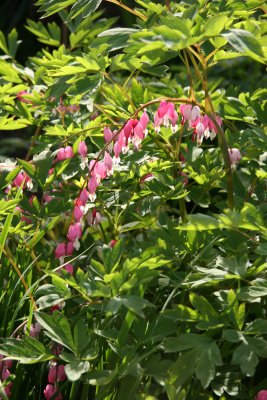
117,142
56,373
203,126
189,113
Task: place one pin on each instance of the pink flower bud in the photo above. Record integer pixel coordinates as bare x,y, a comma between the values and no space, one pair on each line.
262,395
50,391
112,243
84,195
35,329
52,374
69,249
82,149
117,148
58,307
185,110
8,389
60,250
128,129
61,375
56,349
78,214
185,180
69,152
98,170
18,180
163,109
144,120
200,129
5,374
107,134
213,128
92,185
195,113
64,249
139,131
165,113
69,268
123,141
108,162
47,198
64,153
74,232
234,155
61,154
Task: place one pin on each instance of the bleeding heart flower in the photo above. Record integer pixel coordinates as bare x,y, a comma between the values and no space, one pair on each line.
164,114
64,153
74,234
234,155
82,149
262,395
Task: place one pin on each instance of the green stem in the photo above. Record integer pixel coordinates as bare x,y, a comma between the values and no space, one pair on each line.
85,391
183,211
209,109
73,390
191,92
34,138
182,207
179,142
227,163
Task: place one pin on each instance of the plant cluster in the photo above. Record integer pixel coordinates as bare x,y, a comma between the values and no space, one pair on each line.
133,232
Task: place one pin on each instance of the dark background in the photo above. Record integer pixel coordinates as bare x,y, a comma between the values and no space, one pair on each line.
14,13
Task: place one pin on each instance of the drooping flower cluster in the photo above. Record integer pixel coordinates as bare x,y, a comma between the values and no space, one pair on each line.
134,131
204,126
117,143
165,114
4,374
56,374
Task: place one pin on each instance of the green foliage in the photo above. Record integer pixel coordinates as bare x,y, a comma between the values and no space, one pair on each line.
168,295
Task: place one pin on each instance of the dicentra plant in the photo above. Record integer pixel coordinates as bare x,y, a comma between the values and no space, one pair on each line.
133,234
